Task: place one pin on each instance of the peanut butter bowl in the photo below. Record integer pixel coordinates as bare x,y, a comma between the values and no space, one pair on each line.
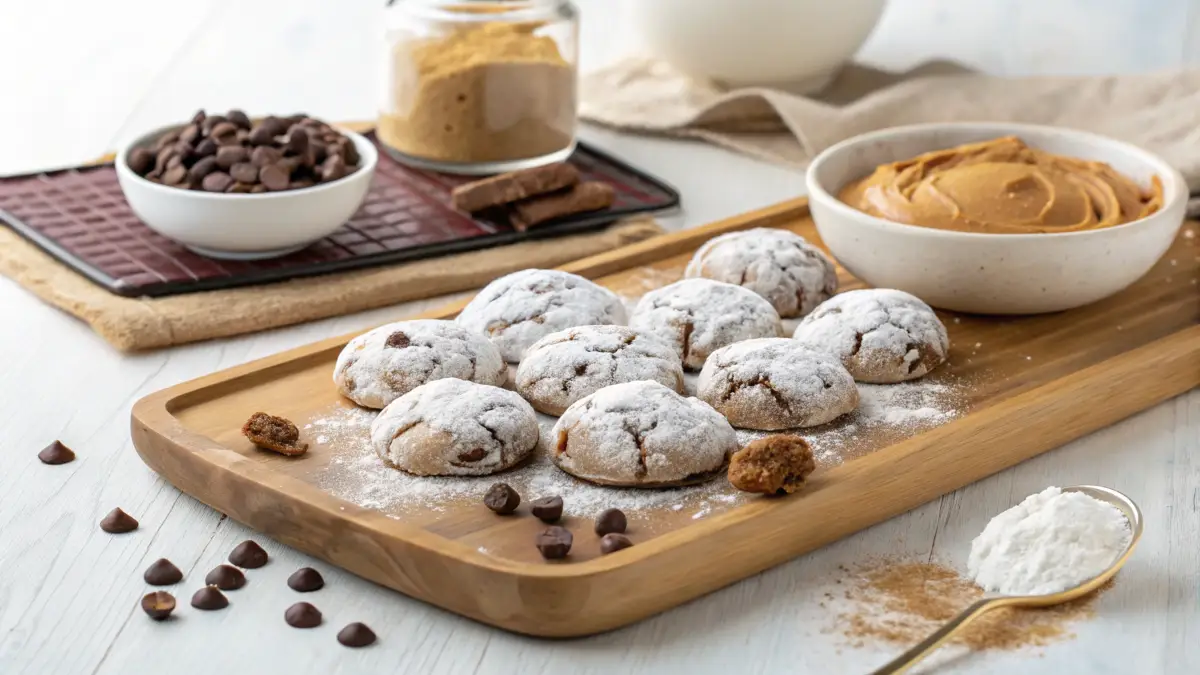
995,218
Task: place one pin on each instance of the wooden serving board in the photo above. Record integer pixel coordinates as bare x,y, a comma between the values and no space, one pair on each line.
1027,385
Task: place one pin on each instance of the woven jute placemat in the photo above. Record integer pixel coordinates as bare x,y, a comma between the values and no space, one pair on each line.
132,324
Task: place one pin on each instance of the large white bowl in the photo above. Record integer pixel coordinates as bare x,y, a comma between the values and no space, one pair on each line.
991,273
246,226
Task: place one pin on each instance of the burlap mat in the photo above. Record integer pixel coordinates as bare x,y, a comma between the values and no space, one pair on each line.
1160,112
145,323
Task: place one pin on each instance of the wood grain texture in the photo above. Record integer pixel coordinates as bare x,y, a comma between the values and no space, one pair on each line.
1044,381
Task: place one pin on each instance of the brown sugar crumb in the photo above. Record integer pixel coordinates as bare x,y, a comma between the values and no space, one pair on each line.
274,433
776,464
903,602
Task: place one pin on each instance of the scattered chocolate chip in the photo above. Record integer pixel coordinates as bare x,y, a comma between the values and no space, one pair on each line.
118,522
610,520
140,161
230,155
56,453
239,118
209,598
217,181
502,499
244,172
158,605
356,635
202,168
274,176
613,542
225,577
248,555
302,615
547,509
397,340
306,580
162,572
554,542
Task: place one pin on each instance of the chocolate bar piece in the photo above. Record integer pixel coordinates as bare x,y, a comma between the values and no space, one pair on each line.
507,188
590,196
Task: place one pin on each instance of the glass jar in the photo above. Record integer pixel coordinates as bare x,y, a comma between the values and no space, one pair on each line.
478,87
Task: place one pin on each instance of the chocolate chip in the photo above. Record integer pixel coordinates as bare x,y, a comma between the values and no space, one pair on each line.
225,133
118,522
263,134
166,140
162,572
274,177
239,188
190,134
211,121
610,520
613,542
209,598
198,118
297,141
176,175
257,189
263,155
301,183
302,615
356,635
229,155
502,499
239,118
206,148
140,161
248,555
349,152
225,577
244,172
306,580
158,605
164,154
56,453
333,168
554,542
217,181
202,168
547,509
473,455
397,340
185,150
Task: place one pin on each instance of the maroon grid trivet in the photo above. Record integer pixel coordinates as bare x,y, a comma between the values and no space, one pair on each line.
80,217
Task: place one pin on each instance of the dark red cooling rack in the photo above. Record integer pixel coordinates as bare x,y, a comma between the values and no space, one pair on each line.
80,217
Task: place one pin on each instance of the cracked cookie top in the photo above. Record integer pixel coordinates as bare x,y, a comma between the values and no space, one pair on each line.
779,265
699,316
776,383
517,310
881,335
642,434
455,428
563,367
381,365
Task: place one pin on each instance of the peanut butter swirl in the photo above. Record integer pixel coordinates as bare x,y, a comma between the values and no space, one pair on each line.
1002,186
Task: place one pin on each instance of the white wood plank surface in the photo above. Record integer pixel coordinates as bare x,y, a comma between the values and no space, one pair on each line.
77,77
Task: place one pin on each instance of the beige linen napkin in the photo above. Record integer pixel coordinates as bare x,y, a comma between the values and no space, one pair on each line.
1160,112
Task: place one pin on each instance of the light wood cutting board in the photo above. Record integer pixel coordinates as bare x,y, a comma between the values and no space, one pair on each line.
1026,385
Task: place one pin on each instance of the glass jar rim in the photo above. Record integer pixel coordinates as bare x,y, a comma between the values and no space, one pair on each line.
453,10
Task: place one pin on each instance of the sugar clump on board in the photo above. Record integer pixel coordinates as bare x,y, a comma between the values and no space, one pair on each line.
1051,541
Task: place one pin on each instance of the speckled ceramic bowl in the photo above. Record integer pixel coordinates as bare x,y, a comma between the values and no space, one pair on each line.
991,273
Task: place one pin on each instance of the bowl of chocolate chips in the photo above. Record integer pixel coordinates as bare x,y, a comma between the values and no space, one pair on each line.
227,186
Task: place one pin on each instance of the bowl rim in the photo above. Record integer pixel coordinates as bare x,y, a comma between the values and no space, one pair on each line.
367,151
1175,191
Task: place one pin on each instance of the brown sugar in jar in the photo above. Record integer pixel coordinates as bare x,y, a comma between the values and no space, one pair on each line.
480,87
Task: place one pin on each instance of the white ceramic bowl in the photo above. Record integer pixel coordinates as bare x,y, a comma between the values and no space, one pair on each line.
246,226
991,273
798,44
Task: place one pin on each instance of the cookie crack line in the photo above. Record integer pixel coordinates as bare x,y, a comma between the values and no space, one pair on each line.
761,381
686,339
641,470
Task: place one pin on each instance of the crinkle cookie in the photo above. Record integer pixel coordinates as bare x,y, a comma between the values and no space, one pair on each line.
517,310
779,265
381,365
642,434
699,316
563,367
776,383
881,335
455,428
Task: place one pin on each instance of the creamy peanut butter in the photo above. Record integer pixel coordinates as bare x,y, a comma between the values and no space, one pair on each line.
1002,186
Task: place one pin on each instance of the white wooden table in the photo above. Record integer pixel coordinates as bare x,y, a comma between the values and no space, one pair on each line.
77,77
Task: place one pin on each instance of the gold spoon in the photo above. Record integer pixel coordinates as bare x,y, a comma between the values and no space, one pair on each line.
909,658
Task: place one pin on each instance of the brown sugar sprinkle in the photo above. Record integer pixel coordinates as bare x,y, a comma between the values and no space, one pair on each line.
903,602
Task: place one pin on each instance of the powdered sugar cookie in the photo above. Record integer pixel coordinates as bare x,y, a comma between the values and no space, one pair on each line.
699,316
517,310
455,428
776,383
563,367
381,365
881,335
642,434
779,265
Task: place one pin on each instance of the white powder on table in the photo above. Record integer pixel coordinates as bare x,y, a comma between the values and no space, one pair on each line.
1051,541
